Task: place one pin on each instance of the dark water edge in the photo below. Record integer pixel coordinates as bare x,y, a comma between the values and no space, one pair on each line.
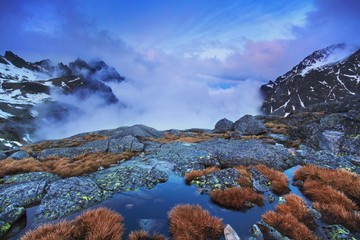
147,209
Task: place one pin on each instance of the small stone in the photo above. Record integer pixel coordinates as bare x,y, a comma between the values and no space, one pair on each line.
230,233
271,198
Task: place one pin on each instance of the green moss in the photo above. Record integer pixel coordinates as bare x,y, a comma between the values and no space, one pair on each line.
5,227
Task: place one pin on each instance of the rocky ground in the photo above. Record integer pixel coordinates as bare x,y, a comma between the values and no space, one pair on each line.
327,135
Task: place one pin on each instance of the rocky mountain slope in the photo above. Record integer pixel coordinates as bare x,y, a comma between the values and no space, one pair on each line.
26,84
327,75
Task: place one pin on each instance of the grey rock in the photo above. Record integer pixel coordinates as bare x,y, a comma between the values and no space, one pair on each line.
89,147
334,232
249,125
270,231
330,141
350,145
2,155
23,195
222,179
127,143
20,155
223,125
12,213
30,177
4,228
259,181
230,233
151,225
68,196
232,153
141,131
184,156
128,177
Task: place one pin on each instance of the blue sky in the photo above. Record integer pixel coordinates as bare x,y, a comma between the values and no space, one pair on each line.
246,38
203,58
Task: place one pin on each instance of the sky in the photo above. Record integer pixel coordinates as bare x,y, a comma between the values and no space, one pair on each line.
205,57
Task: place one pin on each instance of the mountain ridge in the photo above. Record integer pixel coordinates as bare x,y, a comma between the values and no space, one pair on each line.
325,75
28,84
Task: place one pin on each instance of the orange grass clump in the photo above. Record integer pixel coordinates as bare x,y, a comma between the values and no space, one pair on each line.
342,180
65,167
318,192
198,173
277,128
143,235
60,231
237,198
338,214
279,181
191,222
297,207
245,176
101,224
288,225
195,138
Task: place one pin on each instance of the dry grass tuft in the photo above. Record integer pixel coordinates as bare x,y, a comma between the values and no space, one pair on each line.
318,192
198,173
296,206
338,214
277,128
100,224
245,176
65,167
288,225
237,198
279,180
342,180
60,231
143,235
189,222
195,138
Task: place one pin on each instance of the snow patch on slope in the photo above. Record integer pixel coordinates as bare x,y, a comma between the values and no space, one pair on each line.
330,55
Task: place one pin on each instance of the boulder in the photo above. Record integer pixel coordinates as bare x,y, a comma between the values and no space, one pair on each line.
249,125
223,126
128,177
2,155
4,228
222,179
24,194
68,196
30,177
20,155
69,152
232,153
330,141
12,213
127,143
140,131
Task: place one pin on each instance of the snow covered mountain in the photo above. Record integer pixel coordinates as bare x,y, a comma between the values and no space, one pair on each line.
24,85
329,74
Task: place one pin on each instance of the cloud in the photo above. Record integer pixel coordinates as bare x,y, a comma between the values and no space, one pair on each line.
187,64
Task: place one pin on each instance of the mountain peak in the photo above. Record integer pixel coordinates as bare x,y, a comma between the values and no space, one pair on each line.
328,74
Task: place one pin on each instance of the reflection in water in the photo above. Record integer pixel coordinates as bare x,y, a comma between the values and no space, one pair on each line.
147,209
